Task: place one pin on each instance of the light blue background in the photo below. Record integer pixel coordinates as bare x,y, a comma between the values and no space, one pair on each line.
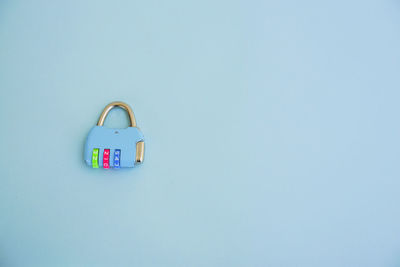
272,133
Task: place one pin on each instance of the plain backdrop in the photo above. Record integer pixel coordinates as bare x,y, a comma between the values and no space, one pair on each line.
272,133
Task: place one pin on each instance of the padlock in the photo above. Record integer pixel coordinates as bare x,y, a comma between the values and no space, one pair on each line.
114,148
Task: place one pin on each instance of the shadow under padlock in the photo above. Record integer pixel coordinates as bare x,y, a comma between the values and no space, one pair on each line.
114,147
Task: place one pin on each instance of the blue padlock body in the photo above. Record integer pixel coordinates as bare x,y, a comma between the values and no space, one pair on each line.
108,138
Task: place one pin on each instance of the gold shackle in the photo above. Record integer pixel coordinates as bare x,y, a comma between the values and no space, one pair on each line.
113,105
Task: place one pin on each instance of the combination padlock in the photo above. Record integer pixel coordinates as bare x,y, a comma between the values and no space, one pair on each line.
114,148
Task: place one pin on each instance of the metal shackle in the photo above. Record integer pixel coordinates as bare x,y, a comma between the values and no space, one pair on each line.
113,105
